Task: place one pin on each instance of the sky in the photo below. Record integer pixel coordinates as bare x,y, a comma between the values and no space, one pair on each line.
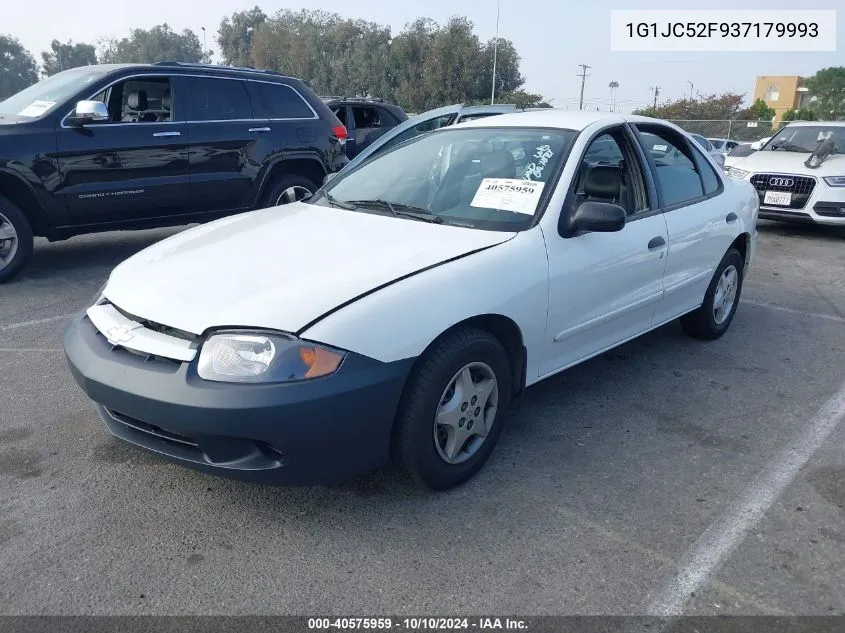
552,37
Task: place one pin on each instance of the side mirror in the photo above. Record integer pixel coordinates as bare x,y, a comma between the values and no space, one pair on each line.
90,112
329,177
597,217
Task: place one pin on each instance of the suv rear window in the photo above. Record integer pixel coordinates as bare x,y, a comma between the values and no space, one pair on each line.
279,101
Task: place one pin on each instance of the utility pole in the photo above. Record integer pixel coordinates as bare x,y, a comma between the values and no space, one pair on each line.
495,53
656,93
584,68
203,43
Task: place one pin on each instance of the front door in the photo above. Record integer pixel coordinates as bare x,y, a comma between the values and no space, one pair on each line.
131,167
604,287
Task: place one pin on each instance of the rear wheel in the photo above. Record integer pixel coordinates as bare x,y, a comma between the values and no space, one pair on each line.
717,311
287,189
452,413
15,240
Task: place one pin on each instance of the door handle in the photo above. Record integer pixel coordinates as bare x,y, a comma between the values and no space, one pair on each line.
656,242
259,129
731,218
160,134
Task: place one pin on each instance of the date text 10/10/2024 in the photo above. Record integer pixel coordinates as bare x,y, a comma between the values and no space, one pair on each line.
417,624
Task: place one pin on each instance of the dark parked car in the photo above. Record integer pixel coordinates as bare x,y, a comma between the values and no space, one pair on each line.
366,119
131,146
426,122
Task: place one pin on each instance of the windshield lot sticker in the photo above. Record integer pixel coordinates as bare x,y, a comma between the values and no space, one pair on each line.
36,108
542,156
508,194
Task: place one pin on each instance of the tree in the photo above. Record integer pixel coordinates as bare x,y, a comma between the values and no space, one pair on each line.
802,114
508,77
759,111
17,67
63,56
158,44
235,34
726,106
827,86
520,98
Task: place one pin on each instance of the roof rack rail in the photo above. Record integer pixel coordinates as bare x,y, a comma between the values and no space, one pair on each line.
220,67
374,99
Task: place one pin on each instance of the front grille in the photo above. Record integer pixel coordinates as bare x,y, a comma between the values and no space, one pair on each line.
801,187
156,327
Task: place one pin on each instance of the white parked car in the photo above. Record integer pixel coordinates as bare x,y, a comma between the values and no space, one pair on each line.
743,150
399,311
799,173
723,145
715,154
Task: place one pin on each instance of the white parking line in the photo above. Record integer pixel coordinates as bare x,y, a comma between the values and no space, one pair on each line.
814,315
714,546
15,326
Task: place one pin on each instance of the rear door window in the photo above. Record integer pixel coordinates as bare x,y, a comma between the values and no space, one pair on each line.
278,101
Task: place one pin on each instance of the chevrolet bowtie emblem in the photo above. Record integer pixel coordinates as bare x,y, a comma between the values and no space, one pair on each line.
119,334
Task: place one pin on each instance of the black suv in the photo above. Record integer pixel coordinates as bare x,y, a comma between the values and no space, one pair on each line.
130,146
365,119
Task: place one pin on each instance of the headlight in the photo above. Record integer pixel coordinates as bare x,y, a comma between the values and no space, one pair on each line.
737,173
264,357
835,181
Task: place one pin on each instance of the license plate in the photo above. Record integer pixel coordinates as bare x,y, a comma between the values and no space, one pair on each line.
781,198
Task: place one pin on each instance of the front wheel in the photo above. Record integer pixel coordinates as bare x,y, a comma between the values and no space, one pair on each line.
287,189
453,409
721,300
15,240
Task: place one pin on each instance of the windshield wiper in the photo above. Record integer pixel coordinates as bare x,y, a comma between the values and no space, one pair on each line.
337,203
789,147
398,209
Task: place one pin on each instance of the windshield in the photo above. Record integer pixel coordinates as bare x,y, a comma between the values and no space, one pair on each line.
485,178
717,143
43,96
740,151
806,138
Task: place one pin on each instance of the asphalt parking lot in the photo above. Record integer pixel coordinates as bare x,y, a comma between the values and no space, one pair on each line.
667,474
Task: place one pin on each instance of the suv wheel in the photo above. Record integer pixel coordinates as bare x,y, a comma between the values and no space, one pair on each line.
287,189
15,240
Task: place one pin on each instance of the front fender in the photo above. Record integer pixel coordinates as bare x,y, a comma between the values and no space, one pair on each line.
401,320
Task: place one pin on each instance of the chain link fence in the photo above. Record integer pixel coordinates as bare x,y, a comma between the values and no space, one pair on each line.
741,131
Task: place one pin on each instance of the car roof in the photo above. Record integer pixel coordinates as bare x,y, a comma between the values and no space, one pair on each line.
558,118
815,123
188,66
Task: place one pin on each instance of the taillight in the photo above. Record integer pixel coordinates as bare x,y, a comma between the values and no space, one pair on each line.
340,132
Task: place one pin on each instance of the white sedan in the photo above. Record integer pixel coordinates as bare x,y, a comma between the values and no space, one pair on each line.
402,309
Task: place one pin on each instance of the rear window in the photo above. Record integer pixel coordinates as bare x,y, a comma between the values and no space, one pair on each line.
279,101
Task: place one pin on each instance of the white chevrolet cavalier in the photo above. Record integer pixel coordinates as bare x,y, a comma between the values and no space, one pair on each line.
398,312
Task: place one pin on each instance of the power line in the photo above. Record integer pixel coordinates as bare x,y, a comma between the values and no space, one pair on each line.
584,68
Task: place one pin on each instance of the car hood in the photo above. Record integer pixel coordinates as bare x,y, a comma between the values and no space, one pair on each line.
280,268
790,163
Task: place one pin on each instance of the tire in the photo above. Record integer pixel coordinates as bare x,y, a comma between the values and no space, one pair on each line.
278,190
15,240
434,455
714,317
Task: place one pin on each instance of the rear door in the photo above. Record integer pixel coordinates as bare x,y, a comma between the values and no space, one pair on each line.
223,143
698,221
133,166
292,125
